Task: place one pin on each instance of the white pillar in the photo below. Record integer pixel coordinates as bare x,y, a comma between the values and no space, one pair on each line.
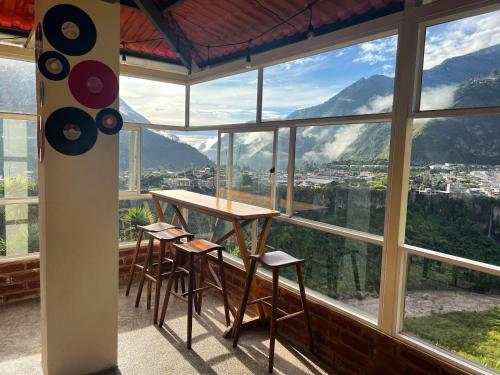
79,218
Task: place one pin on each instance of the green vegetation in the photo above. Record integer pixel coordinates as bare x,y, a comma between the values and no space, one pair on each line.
131,218
474,335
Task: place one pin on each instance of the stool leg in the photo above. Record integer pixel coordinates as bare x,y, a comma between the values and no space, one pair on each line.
148,299
274,302
143,273
190,300
134,260
300,279
161,255
238,320
222,276
169,288
199,295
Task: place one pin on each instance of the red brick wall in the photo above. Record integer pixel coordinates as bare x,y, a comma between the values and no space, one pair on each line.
349,346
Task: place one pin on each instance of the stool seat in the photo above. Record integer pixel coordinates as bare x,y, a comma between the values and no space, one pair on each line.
155,227
277,259
198,246
170,234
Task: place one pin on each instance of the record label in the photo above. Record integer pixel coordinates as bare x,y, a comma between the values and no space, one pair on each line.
69,29
53,65
109,121
93,84
71,131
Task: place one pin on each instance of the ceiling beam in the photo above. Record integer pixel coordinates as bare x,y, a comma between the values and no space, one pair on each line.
168,5
155,16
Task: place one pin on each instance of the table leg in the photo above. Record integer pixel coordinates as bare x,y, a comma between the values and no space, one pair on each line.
159,210
179,216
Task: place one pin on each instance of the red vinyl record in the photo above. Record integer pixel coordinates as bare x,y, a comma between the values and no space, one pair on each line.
93,84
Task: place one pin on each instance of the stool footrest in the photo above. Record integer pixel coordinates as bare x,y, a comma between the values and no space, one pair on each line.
198,290
289,316
259,300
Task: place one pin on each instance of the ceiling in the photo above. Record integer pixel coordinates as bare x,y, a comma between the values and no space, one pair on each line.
209,32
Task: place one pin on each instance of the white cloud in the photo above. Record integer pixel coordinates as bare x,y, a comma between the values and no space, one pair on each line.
438,97
377,104
461,37
376,51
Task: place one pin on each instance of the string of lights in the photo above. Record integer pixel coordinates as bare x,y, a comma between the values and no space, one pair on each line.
310,34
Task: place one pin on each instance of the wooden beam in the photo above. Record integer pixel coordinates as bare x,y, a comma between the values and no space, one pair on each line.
155,16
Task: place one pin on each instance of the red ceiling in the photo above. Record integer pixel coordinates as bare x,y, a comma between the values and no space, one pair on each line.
216,22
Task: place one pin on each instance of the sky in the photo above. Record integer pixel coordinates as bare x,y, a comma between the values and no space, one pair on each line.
308,81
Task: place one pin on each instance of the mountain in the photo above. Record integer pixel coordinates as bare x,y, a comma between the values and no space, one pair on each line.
471,80
17,94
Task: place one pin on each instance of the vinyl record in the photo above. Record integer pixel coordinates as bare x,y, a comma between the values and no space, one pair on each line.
69,29
71,131
109,121
38,41
93,84
53,65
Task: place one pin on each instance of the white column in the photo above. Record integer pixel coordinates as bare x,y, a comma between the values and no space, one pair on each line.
79,222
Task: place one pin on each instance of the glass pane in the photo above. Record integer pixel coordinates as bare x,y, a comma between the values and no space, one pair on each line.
19,161
229,100
143,101
174,160
341,175
454,308
282,168
341,268
19,232
454,197
128,159
18,93
462,63
248,160
132,213
353,80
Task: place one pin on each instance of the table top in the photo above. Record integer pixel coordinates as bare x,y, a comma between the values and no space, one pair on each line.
212,205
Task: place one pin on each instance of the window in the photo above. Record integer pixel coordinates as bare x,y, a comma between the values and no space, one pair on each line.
144,101
455,308
348,81
454,196
341,268
129,150
19,180
282,169
174,160
462,63
229,100
341,175
17,86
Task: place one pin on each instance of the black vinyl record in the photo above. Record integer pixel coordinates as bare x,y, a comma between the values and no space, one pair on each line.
109,121
53,65
71,131
69,29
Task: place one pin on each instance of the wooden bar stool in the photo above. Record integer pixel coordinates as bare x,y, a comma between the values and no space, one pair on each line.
192,249
274,260
156,227
154,272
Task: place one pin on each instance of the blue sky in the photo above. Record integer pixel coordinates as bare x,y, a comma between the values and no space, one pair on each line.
309,81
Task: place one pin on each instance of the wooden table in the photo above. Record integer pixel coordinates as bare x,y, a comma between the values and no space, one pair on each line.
239,214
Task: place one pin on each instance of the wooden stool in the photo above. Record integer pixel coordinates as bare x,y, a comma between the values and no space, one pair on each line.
191,249
156,227
171,235
274,260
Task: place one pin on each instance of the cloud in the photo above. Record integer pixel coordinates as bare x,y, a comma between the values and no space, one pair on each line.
377,51
438,97
377,104
461,37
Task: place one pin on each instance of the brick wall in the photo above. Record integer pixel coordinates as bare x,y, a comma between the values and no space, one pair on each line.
349,346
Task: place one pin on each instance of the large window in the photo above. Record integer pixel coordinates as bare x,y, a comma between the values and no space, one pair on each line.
341,175
144,101
229,100
348,81
17,86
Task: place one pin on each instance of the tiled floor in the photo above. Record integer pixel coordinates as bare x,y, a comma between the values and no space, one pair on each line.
144,349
